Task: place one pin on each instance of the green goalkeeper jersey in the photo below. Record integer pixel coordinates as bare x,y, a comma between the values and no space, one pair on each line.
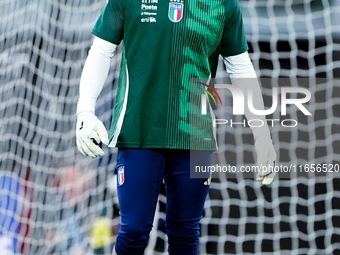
167,47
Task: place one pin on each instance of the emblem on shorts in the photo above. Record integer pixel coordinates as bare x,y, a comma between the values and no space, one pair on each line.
175,12
208,181
121,175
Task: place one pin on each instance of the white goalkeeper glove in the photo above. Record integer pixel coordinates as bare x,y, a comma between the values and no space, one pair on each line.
266,158
90,132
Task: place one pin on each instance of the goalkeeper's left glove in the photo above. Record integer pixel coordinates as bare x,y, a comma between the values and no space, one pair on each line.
90,132
266,158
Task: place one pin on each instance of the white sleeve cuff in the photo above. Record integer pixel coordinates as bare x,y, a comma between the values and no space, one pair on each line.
94,74
240,66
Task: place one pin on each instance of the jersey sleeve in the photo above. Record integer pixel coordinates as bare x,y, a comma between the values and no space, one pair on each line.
234,40
110,24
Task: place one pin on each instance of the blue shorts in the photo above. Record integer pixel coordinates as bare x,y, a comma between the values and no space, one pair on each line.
140,174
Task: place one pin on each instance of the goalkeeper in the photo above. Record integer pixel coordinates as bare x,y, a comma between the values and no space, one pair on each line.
165,45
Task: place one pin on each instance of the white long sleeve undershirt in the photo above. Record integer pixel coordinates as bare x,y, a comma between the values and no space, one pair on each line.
97,66
94,74
243,75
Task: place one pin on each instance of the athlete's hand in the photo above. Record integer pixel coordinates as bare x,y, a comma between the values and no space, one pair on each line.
266,158
90,132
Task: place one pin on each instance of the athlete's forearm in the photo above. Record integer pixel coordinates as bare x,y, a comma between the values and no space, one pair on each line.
243,75
94,74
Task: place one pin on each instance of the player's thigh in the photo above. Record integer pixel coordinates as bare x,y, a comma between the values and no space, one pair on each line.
185,195
139,177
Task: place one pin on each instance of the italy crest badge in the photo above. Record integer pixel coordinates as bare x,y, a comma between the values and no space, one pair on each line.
175,12
121,175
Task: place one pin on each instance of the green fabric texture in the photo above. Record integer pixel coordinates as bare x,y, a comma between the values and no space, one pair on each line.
167,46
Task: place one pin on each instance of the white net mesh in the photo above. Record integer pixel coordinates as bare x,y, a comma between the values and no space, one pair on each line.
43,46
297,215
55,201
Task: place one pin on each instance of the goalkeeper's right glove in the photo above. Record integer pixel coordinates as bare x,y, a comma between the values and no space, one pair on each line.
90,132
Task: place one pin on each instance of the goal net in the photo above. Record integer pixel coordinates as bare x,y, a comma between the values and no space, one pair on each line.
53,200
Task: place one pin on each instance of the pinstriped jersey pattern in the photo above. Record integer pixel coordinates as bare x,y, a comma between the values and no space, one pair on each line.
169,45
193,42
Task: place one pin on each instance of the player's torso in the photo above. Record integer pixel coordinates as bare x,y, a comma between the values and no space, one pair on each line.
166,45
180,27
